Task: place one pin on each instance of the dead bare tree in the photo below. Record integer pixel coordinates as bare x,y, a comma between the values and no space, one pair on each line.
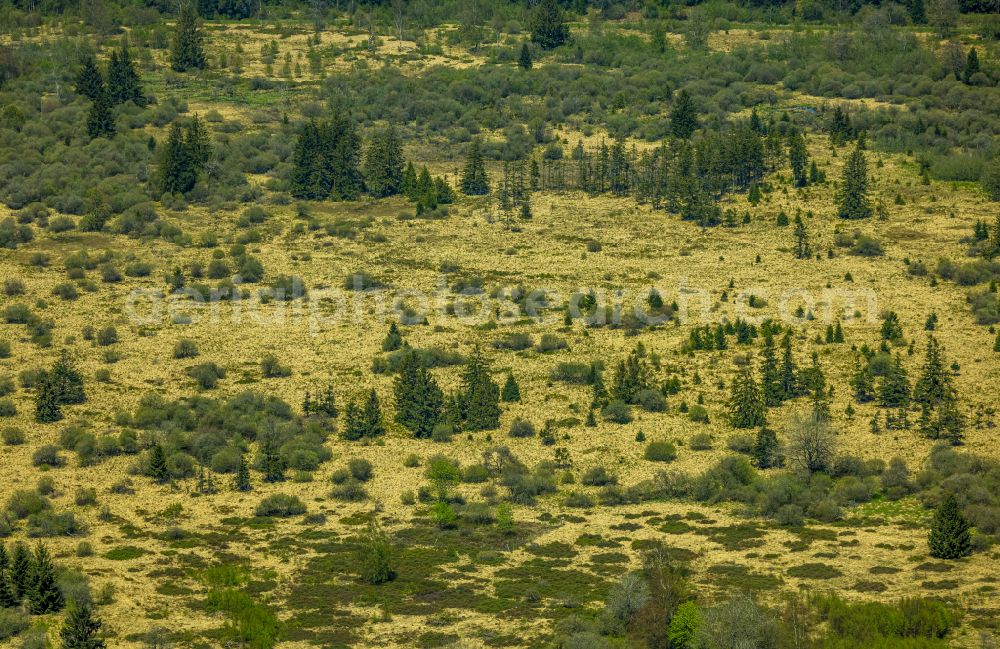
399,16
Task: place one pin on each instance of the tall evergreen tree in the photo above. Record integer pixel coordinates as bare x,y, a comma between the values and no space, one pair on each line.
43,592
548,27
524,59
183,156
410,182
802,249
862,382
853,201
789,373
798,158
384,164
894,389
326,160
474,180
683,115
480,396
158,464
101,119
124,83
21,568
271,462
47,403
419,400
187,51
7,597
971,65
770,373
746,403
81,628
934,384
766,452
372,416
242,480
89,81
949,537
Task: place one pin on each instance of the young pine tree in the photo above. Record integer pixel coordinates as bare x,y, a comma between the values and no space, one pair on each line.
770,373
746,403
89,81
949,536
798,158
43,592
511,392
474,181
419,400
853,200
101,119
548,27
187,51
158,464
524,59
21,568
242,480
47,401
124,83
683,116
802,249
480,396
81,628
384,164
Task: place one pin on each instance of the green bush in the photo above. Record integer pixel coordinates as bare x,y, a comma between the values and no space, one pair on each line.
280,505
660,452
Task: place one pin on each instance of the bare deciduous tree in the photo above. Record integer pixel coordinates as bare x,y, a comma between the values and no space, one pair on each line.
811,442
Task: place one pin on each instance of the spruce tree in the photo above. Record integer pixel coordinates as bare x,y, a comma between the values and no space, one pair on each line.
393,340
862,382
766,452
894,389
511,392
326,160
124,83
81,628
354,425
789,373
158,464
21,567
802,249
7,597
242,480
100,119
480,396
271,462
683,116
419,400
43,592
548,27
410,182
524,59
474,180
186,51
934,384
47,401
770,373
746,403
384,164
949,536
853,201
798,158
89,81
971,65
372,415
